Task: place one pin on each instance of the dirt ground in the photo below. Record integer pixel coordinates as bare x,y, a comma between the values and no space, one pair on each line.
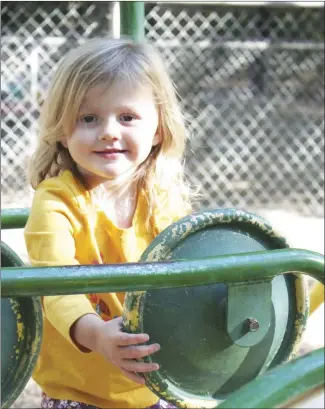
300,232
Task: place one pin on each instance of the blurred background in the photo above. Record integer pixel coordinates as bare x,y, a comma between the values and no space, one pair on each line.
251,80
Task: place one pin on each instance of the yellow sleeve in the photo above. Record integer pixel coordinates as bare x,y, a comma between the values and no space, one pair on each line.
169,212
49,237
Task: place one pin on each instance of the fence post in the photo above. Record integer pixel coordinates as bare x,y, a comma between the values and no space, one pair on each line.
132,19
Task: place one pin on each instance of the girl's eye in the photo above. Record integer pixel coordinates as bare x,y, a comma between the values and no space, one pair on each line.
127,118
89,119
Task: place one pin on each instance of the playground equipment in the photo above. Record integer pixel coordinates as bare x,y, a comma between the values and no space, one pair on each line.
219,290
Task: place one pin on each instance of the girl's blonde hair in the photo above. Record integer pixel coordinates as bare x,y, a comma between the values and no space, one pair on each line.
103,61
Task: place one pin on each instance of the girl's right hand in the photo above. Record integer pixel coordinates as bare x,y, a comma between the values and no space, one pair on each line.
120,348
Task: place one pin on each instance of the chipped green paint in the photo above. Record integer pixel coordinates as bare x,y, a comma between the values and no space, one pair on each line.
22,321
197,221
132,312
28,321
19,322
162,248
302,313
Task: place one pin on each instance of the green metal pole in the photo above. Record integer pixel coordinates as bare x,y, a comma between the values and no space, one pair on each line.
262,265
281,384
14,218
132,18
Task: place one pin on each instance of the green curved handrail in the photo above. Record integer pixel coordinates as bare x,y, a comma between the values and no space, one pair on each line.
281,384
262,265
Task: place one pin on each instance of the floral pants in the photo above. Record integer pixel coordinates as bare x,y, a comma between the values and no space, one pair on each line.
48,403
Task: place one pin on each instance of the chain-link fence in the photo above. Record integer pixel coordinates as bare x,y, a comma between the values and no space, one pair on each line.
251,80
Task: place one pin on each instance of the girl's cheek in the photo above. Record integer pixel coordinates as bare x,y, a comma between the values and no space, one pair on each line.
87,134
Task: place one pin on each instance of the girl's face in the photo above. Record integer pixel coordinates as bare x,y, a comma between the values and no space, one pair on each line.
115,131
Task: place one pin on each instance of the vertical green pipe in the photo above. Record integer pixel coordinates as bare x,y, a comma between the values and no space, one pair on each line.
132,19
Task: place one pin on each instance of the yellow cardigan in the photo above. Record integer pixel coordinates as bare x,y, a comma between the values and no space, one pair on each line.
64,228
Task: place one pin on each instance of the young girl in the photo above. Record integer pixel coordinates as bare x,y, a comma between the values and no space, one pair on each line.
108,178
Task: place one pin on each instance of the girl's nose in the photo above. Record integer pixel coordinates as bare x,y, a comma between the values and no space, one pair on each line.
111,130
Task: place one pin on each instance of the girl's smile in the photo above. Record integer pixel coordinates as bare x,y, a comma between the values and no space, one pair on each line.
115,131
111,153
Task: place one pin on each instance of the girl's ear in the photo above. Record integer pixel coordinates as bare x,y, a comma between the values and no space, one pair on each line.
63,140
156,139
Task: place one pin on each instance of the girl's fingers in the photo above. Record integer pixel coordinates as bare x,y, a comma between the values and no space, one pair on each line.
125,339
134,366
133,377
140,351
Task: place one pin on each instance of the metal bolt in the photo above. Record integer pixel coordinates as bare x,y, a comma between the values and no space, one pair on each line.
252,324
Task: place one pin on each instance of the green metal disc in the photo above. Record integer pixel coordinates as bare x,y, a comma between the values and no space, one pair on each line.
21,334
205,354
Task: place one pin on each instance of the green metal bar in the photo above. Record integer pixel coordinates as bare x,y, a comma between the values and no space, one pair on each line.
33,281
14,218
281,384
132,18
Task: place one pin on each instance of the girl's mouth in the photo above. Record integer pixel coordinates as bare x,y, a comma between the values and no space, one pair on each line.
111,153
